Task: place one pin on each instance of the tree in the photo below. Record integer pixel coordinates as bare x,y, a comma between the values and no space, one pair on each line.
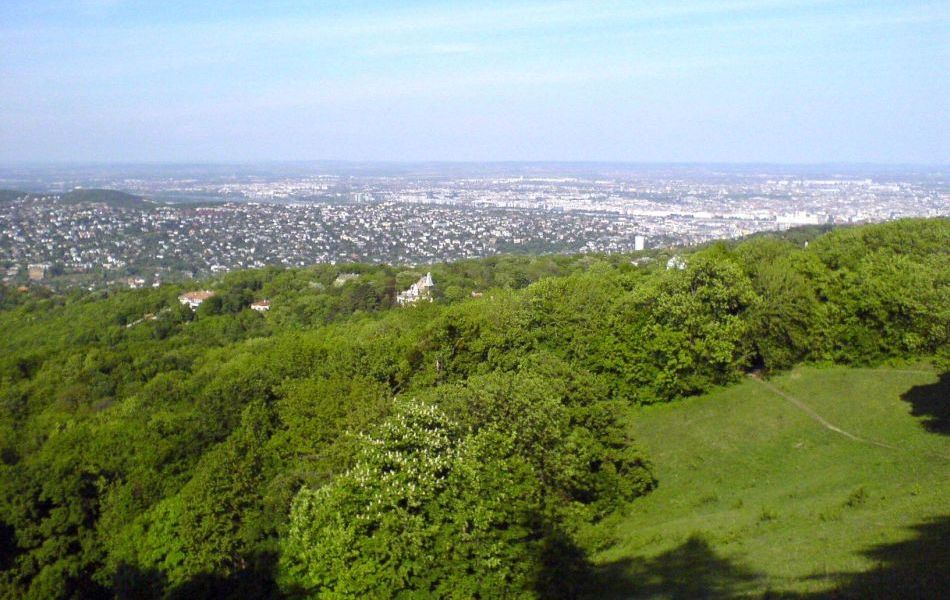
426,509
219,523
783,322
692,330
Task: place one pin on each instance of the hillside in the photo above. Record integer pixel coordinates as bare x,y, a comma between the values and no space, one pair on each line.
112,198
519,435
756,495
10,195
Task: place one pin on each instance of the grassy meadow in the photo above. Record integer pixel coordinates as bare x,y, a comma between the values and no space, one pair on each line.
758,498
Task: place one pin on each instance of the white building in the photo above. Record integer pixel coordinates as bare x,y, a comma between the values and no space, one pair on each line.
420,290
194,299
37,272
676,263
800,218
639,242
261,306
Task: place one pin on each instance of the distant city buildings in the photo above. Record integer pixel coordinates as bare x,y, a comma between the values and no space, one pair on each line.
406,220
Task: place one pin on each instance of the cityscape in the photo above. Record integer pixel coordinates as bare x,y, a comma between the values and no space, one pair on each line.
465,300
58,227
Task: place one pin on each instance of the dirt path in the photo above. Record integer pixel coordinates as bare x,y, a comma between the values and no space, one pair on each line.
814,415
824,423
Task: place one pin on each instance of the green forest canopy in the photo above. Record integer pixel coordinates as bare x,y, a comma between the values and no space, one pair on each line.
338,446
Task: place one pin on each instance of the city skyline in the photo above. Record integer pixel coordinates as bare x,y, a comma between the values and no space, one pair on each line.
175,224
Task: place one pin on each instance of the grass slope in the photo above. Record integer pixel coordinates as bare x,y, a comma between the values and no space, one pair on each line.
756,497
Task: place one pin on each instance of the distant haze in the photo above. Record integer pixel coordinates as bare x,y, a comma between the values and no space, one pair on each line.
781,81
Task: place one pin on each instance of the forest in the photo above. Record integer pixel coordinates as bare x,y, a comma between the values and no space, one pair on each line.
340,446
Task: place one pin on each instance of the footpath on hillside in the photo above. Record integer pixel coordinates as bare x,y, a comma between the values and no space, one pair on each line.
825,423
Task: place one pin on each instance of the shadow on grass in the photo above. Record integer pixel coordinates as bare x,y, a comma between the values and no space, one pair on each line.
689,571
914,568
931,402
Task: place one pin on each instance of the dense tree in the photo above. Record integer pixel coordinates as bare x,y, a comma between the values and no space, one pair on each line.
428,508
451,447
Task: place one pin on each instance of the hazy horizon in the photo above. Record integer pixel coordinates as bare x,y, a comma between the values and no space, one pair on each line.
53,164
720,82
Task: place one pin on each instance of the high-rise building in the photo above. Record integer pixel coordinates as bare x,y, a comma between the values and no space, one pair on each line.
639,242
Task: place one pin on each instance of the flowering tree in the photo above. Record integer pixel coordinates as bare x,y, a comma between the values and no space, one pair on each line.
429,508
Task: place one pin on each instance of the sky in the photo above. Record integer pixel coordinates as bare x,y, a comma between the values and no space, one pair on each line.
775,81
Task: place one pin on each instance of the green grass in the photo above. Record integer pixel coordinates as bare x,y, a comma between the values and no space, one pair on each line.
755,497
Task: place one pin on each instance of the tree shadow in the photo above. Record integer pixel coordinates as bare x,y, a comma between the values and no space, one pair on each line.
8,546
914,568
255,581
131,581
689,571
931,403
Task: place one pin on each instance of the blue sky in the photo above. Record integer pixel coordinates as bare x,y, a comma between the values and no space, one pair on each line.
788,81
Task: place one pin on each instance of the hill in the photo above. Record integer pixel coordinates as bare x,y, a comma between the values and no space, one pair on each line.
501,443
113,198
757,496
10,195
